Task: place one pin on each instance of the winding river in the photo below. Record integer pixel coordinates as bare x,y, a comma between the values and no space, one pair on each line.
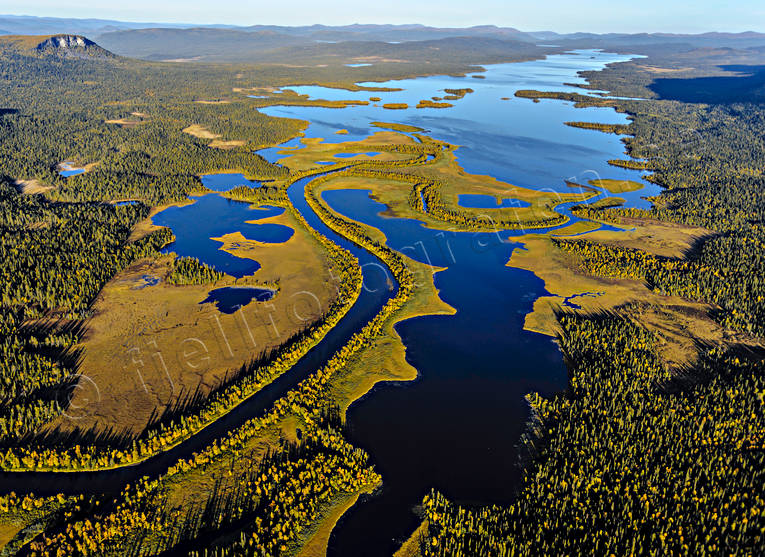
456,428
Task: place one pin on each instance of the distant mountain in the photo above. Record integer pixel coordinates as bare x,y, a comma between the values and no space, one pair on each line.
267,44
459,50
161,41
64,45
394,33
196,44
702,40
31,25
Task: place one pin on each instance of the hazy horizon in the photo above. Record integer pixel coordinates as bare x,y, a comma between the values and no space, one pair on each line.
651,16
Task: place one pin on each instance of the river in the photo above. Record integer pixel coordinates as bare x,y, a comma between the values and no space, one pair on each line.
457,427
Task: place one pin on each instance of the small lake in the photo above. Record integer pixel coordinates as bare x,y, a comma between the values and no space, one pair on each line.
67,169
212,216
229,299
479,201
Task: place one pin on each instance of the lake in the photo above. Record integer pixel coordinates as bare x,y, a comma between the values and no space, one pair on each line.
212,216
457,427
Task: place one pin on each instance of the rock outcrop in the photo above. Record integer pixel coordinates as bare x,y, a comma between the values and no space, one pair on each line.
71,46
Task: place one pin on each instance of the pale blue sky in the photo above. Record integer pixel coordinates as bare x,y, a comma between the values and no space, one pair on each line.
527,15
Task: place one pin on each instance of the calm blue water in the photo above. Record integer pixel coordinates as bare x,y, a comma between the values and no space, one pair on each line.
271,154
212,216
226,181
68,170
479,201
230,298
456,428
516,141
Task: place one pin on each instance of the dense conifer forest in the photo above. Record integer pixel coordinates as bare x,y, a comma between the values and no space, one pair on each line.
637,458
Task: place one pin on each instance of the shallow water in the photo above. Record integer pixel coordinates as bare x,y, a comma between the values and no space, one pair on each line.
480,201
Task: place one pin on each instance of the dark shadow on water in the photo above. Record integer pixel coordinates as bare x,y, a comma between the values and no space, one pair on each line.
230,299
748,87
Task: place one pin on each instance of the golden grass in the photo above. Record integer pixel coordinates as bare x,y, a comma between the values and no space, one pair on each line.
660,238
395,106
314,150
145,348
398,127
579,227
656,69
411,547
679,323
203,133
126,122
384,359
317,537
616,186
9,530
31,187
200,131
432,104
227,144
